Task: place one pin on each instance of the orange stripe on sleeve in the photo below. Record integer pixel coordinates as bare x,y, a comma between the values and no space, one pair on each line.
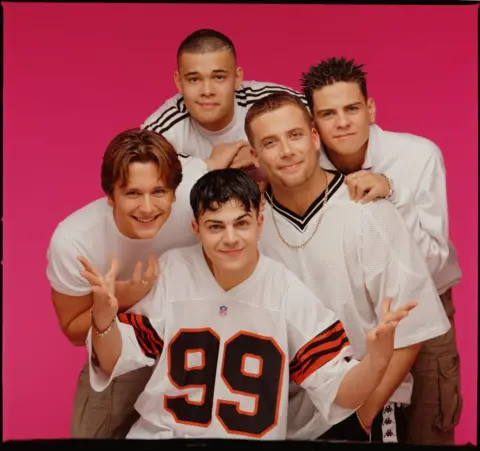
149,341
318,351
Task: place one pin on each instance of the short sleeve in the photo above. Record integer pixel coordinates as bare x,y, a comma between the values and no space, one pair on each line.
394,267
320,353
63,268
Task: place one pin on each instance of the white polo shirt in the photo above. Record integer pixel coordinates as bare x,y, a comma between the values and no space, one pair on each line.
417,169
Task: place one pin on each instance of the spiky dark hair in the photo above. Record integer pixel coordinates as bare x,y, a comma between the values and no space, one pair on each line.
330,71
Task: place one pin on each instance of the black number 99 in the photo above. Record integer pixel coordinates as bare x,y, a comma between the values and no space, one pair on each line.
264,386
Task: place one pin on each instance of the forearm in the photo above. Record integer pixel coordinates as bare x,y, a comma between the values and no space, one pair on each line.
359,383
395,374
107,348
125,302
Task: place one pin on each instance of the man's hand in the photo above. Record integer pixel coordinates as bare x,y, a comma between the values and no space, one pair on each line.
223,155
244,158
381,339
105,304
365,186
128,292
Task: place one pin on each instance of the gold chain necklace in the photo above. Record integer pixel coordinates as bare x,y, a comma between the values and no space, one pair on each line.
300,246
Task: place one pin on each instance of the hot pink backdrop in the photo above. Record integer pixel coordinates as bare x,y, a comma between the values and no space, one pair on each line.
77,74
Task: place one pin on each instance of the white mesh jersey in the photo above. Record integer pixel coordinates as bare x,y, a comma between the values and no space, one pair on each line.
225,358
92,233
173,121
359,255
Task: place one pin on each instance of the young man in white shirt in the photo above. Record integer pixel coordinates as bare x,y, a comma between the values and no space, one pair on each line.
409,171
142,175
230,328
210,109
351,254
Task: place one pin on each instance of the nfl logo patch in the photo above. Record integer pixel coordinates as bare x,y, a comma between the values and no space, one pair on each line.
223,310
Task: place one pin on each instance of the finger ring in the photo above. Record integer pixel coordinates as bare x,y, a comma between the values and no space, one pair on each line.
145,282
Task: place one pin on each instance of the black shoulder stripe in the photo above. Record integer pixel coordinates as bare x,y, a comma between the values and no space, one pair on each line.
245,100
159,118
179,104
171,117
169,126
259,90
183,155
168,114
251,102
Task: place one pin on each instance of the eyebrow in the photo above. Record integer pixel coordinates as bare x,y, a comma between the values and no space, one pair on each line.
288,131
134,188
216,71
345,106
215,221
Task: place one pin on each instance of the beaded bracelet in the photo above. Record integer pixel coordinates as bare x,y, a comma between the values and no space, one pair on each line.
106,331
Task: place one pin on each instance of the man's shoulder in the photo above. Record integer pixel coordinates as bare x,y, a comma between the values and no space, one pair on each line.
251,91
86,219
353,215
184,256
170,113
82,232
409,143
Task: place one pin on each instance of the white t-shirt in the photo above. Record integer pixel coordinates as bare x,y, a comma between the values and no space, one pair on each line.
91,232
226,358
359,255
416,167
173,121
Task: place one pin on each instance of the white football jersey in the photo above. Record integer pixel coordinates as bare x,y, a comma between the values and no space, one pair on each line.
359,255
92,233
173,121
226,358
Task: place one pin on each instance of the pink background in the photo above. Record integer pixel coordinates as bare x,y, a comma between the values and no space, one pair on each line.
77,74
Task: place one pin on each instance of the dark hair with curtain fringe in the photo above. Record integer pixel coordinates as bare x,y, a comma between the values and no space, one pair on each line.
218,187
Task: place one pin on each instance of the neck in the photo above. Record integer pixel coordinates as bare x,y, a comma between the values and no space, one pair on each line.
347,164
299,198
229,279
220,124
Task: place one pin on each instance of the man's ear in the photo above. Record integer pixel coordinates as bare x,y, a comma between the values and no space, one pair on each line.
178,83
195,227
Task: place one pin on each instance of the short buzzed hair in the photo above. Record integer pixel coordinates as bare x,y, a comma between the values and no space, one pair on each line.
272,103
330,71
205,41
